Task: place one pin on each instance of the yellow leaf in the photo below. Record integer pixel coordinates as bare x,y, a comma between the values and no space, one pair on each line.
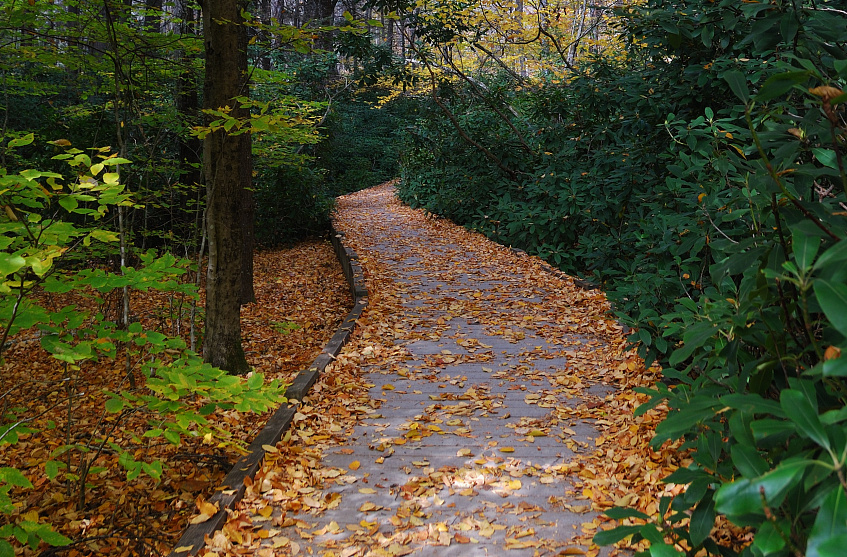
207,508
507,449
354,465
200,518
626,500
367,490
310,502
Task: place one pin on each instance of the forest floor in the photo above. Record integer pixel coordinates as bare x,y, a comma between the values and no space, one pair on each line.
484,406
302,298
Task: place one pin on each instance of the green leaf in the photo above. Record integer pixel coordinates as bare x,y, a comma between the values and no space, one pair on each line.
833,301
835,368
104,235
664,550
13,476
694,338
10,264
69,203
748,461
51,468
651,533
680,422
255,381
826,157
154,469
53,538
114,405
619,513
804,414
828,537
702,521
608,537
767,428
172,436
805,247
835,254
6,549
780,84
21,141
768,539
738,84
115,160
744,497
752,403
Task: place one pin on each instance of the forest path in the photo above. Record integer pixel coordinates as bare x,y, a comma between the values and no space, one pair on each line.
454,421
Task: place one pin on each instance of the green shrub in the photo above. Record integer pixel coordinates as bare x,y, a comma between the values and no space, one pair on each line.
702,183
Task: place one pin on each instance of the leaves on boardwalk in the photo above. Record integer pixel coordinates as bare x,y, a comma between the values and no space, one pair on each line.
281,514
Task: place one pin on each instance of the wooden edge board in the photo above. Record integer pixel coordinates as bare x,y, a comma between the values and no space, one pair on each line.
232,488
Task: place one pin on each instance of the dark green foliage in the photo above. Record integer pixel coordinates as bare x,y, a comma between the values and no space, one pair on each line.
357,148
703,184
292,203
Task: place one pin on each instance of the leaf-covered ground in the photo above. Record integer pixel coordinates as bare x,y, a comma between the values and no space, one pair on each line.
509,443
301,299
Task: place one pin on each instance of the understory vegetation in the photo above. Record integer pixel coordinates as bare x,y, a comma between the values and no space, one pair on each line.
699,179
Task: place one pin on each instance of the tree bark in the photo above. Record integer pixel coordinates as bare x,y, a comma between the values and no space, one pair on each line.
225,39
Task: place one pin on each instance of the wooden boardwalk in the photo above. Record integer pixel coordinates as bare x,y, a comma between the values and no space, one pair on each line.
477,361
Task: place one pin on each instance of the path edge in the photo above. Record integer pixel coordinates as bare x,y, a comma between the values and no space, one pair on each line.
232,487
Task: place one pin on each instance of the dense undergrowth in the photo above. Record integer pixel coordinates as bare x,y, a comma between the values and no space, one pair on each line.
701,181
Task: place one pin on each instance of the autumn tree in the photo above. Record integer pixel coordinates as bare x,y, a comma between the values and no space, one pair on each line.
226,170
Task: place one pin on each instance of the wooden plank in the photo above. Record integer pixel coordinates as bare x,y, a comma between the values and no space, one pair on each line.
232,488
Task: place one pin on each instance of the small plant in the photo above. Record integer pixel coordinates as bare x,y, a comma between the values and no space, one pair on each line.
285,327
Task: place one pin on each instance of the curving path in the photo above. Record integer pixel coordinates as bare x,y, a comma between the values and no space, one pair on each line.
479,364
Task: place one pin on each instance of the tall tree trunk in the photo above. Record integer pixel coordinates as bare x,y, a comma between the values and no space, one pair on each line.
153,17
572,53
222,154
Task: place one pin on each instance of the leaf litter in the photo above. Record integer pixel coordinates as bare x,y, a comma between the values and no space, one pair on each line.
585,400
301,286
